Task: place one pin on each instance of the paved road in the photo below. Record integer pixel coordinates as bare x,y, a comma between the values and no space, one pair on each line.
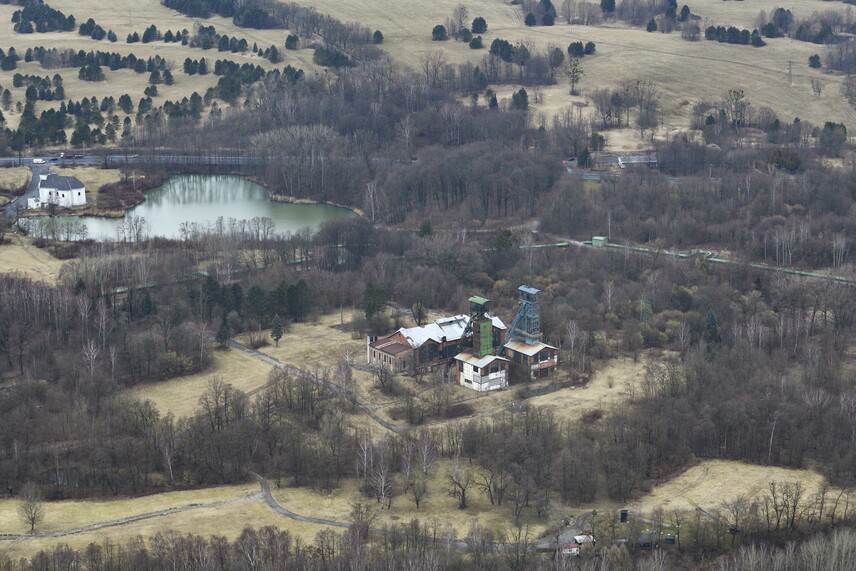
20,203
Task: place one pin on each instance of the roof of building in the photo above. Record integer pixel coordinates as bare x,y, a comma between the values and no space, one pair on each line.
636,160
526,348
443,330
479,300
529,289
476,361
389,346
61,182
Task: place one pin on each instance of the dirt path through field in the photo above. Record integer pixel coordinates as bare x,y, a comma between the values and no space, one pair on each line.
131,519
340,391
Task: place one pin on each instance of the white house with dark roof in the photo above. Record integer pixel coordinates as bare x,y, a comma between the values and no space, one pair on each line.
63,191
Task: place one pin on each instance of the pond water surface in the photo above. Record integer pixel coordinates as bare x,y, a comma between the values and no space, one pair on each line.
202,199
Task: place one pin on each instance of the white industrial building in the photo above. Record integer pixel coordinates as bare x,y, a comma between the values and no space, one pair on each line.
63,191
487,373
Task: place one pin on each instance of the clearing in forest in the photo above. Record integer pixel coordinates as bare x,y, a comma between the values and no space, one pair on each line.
612,384
19,256
437,509
711,483
180,396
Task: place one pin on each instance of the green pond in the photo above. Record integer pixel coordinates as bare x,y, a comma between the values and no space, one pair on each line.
186,202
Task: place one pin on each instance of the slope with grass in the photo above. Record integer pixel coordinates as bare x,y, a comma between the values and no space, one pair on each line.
19,256
685,72
125,17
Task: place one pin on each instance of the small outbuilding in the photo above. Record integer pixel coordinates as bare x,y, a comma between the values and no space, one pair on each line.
538,358
486,373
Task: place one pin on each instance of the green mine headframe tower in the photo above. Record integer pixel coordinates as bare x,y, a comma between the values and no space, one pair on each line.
526,326
481,326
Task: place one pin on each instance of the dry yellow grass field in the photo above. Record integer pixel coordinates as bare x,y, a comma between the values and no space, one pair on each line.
19,256
712,482
93,177
685,72
180,396
610,386
438,507
316,345
744,13
224,510
13,178
125,17
65,515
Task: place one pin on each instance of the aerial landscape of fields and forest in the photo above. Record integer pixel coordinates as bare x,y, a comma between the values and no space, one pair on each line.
488,284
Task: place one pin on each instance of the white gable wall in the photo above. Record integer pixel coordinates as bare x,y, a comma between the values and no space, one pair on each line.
63,198
483,381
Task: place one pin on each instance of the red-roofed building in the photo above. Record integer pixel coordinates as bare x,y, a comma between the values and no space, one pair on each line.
390,353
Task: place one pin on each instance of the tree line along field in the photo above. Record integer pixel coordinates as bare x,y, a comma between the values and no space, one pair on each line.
125,81
684,72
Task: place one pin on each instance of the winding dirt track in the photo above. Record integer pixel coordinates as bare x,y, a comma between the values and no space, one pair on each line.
338,390
131,519
263,494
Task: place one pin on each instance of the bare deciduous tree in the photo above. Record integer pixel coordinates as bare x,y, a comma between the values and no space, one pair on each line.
460,480
381,479
426,451
31,506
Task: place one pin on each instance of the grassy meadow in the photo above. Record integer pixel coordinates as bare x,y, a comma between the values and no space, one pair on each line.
19,256
125,17
685,72
224,510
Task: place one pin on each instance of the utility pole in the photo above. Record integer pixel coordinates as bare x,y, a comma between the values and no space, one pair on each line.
790,71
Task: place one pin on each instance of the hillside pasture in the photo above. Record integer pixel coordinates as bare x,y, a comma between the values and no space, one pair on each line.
685,72
125,17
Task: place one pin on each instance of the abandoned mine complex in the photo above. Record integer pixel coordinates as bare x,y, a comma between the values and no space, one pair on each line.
478,346
386,285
